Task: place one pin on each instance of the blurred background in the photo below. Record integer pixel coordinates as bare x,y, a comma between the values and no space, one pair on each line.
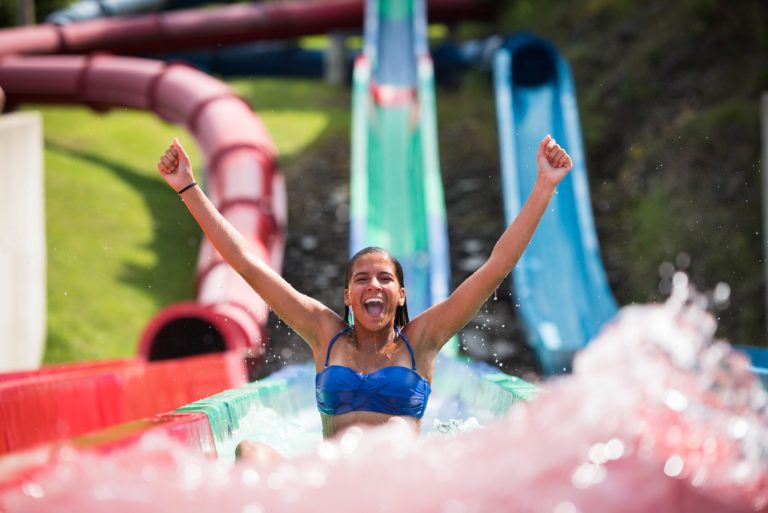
669,99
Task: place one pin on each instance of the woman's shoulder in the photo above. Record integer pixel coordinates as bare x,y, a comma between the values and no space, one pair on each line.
423,334
330,324
417,333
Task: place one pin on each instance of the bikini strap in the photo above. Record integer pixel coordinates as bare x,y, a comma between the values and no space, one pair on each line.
408,345
333,341
397,330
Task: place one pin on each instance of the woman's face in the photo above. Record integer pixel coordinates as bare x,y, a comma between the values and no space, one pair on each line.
373,292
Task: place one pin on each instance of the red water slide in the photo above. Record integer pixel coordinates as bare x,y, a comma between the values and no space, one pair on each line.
206,28
241,181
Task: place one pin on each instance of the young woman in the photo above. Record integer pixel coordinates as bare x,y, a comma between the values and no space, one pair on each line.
379,368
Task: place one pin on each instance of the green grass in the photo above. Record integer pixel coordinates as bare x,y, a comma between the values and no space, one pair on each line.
120,244
114,231
297,112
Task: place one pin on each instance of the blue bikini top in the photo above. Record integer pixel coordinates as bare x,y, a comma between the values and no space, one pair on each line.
393,390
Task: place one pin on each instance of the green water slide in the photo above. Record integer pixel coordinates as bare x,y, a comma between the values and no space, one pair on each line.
396,190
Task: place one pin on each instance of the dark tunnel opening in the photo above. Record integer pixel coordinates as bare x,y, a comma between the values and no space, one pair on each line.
533,65
186,336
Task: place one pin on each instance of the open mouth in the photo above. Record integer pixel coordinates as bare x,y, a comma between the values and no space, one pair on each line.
374,307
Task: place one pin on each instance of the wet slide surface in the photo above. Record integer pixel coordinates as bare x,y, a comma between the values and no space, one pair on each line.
397,198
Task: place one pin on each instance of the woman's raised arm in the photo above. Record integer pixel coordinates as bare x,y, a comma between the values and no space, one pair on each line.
440,322
302,313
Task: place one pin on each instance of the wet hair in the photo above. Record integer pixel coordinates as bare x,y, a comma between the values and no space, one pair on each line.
401,314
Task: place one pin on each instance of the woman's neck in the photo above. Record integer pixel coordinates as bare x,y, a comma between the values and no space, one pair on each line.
373,341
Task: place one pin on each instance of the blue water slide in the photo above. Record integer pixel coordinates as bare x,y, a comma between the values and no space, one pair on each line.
560,285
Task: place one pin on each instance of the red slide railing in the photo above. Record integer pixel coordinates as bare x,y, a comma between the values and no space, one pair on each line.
74,400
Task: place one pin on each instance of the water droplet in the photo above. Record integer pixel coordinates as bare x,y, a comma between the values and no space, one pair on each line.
614,449
587,474
250,478
597,453
351,439
738,427
32,489
673,466
680,280
676,400
566,507
666,269
722,293
252,508
683,261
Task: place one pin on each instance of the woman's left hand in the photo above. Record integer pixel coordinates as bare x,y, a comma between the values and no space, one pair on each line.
553,161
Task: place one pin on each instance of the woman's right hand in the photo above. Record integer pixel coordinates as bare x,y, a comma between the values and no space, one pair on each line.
175,167
553,161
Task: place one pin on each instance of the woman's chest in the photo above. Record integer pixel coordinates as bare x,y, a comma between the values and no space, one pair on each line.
365,360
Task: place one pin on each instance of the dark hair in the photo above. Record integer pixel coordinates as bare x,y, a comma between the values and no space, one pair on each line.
401,314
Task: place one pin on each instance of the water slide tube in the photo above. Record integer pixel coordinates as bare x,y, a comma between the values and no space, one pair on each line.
274,58
560,283
205,28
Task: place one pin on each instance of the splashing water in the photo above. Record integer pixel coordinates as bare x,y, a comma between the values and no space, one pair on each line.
657,416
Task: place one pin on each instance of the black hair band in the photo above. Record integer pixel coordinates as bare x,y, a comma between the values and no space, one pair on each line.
187,188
